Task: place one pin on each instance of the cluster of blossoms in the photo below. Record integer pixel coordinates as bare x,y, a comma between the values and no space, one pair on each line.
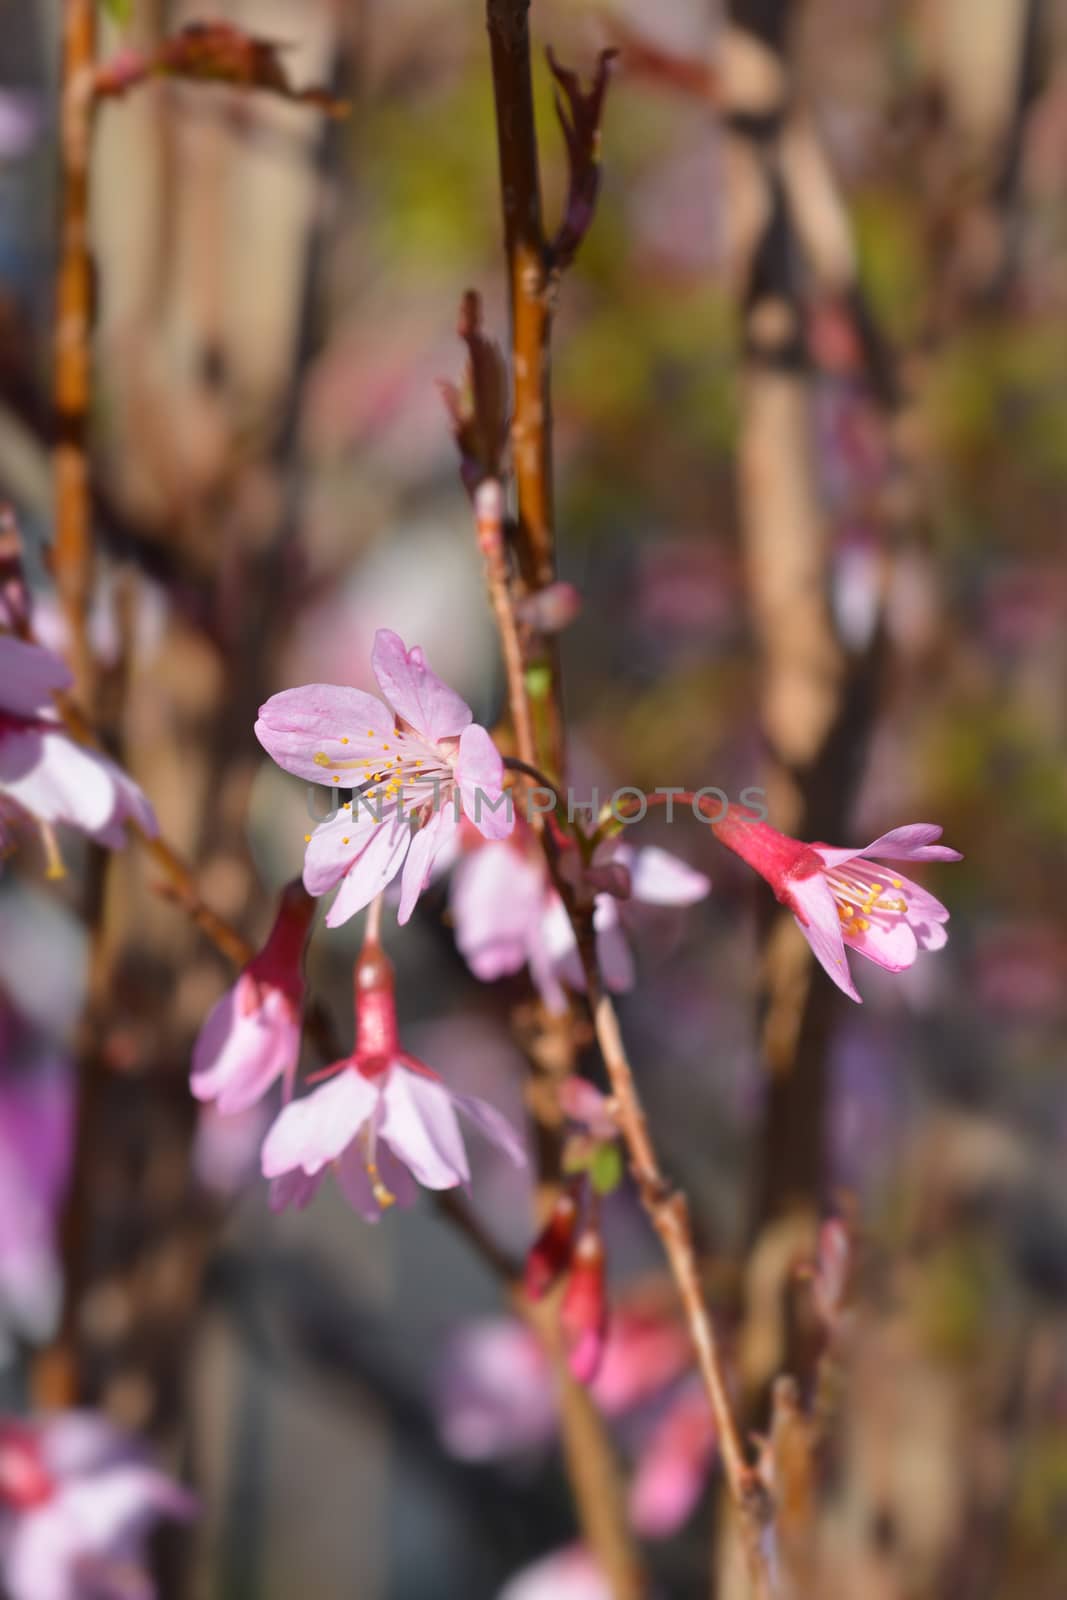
426,792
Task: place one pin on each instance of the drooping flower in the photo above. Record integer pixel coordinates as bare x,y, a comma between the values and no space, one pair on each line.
418,760
78,1501
251,1037
845,898
46,773
382,1119
507,913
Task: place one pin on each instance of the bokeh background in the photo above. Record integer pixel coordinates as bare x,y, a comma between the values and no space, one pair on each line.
274,478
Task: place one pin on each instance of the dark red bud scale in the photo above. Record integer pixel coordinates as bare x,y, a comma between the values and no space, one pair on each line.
551,1251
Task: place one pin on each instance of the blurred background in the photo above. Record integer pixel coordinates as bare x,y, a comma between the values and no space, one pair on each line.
810,408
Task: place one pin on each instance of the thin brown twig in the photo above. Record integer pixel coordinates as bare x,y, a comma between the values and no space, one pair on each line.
668,1211
73,555
489,522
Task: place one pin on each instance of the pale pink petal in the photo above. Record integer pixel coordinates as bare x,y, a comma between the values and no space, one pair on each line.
480,776
420,1125
557,941
816,913
337,842
131,805
492,1125
612,950
313,1131
496,898
890,944
376,866
660,879
922,905
29,676
239,1054
356,1186
114,1510
434,837
74,1443
296,1189
415,691
493,1391
55,779
913,842
930,935
324,719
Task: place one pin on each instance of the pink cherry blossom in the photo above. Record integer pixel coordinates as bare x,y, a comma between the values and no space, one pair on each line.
420,759
507,914
77,1504
567,1574
251,1037
673,1464
845,898
46,773
382,1119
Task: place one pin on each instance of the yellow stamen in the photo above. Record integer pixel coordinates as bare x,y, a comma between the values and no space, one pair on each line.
321,759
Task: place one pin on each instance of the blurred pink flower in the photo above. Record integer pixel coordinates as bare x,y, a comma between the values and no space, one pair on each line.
77,1504
35,1132
494,1391
423,759
567,1574
507,913
43,771
673,1465
251,1037
382,1119
839,900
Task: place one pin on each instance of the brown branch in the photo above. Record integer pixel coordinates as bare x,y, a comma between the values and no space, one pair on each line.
72,553
668,1211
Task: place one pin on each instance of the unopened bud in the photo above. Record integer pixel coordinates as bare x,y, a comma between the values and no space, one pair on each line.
550,1253
550,610
584,1312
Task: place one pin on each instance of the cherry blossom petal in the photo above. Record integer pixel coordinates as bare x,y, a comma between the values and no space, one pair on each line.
29,676
415,691
296,1189
131,805
311,1132
813,906
890,943
323,719
238,1055
336,843
433,837
55,779
480,775
376,865
660,879
492,1125
420,1125
568,1574
496,900
913,842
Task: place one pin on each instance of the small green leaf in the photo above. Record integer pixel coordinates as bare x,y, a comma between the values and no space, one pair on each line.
538,682
605,1169
120,11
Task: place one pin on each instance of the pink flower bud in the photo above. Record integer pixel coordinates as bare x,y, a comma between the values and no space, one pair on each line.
552,609
551,1251
584,1312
